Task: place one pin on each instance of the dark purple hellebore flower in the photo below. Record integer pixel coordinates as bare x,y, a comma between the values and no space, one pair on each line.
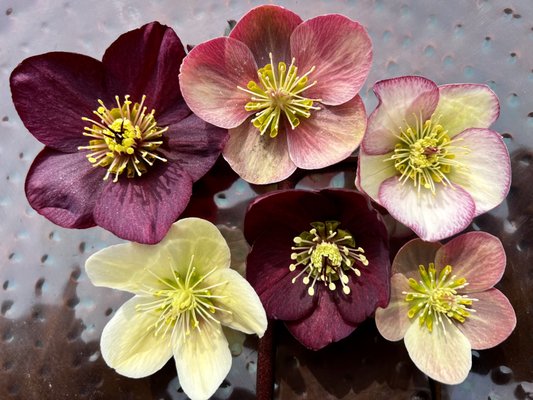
319,261
122,148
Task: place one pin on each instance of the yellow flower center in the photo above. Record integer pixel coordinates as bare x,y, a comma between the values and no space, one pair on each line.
279,91
435,297
125,138
326,254
426,155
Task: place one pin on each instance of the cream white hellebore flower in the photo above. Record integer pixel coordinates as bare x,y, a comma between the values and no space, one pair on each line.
184,293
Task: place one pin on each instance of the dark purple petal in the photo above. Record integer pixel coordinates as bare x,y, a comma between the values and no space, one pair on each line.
53,91
146,61
64,188
267,29
142,209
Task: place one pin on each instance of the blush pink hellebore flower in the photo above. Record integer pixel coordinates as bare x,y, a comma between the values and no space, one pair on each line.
285,88
429,158
443,303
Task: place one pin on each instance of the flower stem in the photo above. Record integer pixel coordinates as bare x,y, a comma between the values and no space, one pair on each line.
435,389
265,364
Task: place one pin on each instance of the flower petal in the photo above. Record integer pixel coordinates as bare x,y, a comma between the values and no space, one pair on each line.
478,257
128,343
402,101
414,253
64,188
432,216
203,360
267,29
142,209
372,171
146,61
493,321
392,322
258,158
442,356
209,77
330,135
63,87
488,175
341,51
463,106
246,313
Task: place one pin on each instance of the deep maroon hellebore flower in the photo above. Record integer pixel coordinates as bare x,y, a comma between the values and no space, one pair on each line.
319,261
122,148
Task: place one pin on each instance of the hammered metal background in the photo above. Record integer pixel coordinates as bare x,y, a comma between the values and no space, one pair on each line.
51,317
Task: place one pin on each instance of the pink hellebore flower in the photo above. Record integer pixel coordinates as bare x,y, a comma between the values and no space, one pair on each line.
286,89
428,157
443,303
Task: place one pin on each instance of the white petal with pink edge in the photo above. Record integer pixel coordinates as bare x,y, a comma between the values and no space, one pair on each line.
392,322
372,171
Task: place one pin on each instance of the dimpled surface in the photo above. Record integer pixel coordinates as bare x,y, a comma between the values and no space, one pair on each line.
52,317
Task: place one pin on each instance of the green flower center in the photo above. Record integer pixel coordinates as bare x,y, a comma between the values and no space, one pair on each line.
124,139
326,254
435,297
426,155
279,91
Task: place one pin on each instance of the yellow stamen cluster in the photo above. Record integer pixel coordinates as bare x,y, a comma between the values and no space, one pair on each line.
326,254
125,138
435,298
279,91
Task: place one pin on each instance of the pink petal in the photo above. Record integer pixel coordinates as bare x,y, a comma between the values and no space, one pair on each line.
328,136
492,322
372,171
392,322
401,102
431,216
488,175
463,106
209,77
478,257
414,253
341,51
258,158
267,29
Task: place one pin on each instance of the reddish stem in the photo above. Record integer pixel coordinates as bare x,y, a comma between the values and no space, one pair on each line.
265,364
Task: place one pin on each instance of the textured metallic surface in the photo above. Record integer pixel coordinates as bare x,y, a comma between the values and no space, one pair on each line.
51,316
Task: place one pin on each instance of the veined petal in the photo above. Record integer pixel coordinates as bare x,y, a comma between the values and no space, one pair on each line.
414,253
372,171
432,216
128,343
488,168
257,158
203,360
328,136
209,77
478,257
493,321
442,355
392,322
267,29
463,106
246,313
341,51
402,101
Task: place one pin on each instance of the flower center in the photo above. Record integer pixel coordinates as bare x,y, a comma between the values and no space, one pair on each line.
426,155
183,303
326,254
125,138
435,297
279,91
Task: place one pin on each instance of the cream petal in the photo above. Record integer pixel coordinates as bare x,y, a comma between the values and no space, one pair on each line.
488,175
392,322
258,158
463,106
412,254
442,355
128,342
203,360
372,171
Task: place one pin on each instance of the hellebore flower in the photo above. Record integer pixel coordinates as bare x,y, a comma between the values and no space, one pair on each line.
286,90
122,148
428,157
184,293
443,303
319,261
